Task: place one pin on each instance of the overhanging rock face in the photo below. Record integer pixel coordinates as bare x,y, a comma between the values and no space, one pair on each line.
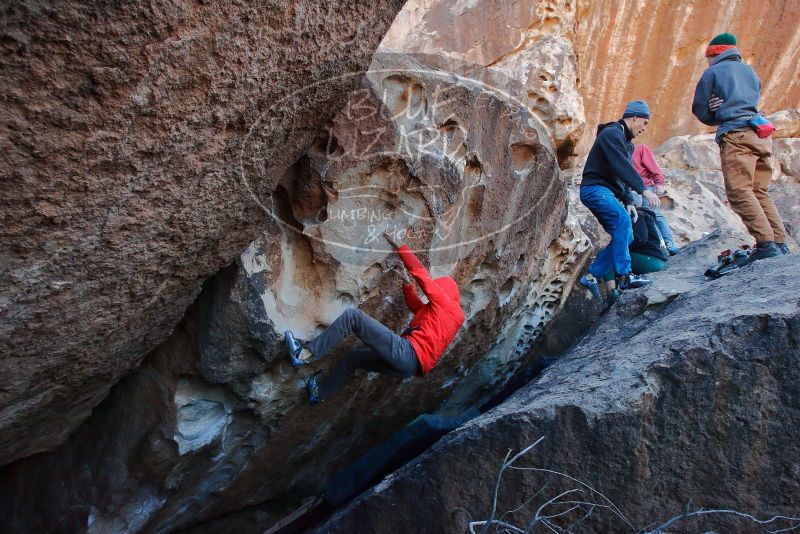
687,392
128,130
217,420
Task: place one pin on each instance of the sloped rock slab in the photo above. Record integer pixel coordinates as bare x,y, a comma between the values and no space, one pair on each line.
686,392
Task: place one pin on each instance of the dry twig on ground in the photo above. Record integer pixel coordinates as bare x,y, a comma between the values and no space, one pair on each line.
583,501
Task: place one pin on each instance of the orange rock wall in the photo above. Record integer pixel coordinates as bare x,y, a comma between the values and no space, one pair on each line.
652,49
626,49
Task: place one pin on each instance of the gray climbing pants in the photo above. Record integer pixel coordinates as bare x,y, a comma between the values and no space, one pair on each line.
383,351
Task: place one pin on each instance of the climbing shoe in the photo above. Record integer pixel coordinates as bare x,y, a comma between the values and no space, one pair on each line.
313,389
632,281
729,261
672,249
763,250
784,248
591,285
611,298
294,347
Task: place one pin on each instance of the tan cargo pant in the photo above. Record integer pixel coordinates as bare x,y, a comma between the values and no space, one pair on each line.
747,169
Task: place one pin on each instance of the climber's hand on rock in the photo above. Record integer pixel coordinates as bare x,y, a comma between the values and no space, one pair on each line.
652,198
633,213
660,190
389,236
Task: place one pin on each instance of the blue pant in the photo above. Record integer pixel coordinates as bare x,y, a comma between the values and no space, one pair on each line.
617,222
661,221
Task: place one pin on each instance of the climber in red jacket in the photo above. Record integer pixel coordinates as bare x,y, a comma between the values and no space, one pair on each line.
412,353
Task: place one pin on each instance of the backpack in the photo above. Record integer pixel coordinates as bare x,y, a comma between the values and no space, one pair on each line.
647,237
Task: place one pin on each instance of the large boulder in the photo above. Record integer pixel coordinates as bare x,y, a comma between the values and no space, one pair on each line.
216,420
685,396
128,130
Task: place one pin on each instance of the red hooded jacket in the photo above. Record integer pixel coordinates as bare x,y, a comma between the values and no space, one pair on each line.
436,323
645,164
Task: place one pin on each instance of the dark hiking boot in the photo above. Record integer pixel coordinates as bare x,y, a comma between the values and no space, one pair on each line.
632,281
591,285
784,248
313,389
611,299
294,347
764,250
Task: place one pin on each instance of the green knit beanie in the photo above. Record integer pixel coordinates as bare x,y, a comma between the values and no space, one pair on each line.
723,39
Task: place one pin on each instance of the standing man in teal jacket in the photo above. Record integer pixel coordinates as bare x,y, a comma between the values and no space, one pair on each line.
726,97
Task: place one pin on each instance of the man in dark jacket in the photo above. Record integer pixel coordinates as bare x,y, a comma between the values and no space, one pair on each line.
414,352
608,178
726,97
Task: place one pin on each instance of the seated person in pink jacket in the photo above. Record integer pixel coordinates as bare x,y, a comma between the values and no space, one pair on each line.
645,164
